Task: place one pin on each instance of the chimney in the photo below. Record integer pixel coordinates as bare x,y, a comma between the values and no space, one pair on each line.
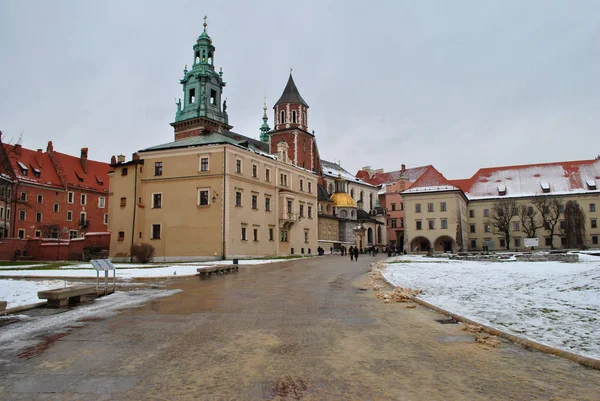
18,149
113,160
403,168
121,159
135,156
38,157
50,147
83,159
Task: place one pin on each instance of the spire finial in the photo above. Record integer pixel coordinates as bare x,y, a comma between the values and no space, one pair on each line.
291,71
265,106
339,169
205,23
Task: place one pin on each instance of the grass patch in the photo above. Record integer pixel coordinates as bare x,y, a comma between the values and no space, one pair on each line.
45,266
19,263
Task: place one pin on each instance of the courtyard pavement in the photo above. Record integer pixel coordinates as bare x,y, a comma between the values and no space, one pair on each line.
297,330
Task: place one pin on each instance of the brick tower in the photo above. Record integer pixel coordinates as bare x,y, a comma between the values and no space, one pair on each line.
291,126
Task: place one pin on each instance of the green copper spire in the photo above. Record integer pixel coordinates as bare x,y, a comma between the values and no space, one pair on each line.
202,85
264,128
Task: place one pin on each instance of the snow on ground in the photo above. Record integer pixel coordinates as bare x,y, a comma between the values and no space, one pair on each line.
21,334
129,271
21,266
23,292
554,303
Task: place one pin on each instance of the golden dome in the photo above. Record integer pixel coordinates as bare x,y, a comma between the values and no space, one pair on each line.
342,199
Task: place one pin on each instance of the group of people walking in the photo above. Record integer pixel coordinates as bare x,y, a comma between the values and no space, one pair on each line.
353,253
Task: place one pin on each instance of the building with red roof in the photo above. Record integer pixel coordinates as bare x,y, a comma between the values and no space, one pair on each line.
47,194
451,215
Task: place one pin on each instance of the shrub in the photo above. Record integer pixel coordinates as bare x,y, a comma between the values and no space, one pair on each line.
142,252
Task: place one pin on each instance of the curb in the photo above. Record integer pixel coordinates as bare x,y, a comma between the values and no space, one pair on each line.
22,308
580,359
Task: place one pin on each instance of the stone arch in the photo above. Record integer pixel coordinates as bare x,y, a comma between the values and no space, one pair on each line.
444,243
420,244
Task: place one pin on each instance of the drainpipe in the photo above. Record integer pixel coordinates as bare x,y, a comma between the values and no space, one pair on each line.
224,199
134,210
14,210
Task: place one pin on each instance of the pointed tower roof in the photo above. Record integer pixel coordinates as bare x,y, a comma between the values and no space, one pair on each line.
264,128
291,94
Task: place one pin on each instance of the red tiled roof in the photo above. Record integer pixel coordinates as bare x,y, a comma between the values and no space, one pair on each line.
32,160
411,174
431,178
94,178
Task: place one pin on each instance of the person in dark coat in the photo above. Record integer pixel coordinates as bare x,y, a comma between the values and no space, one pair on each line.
351,253
356,253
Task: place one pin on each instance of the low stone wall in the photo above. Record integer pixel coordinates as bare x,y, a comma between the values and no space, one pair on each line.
48,249
519,256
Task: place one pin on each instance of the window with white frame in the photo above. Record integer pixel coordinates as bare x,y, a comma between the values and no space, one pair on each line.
101,202
255,201
254,171
40,198
69,215
204,163
238,166
444,224
70,197
442,206
21,233
22,215
55,208
310,187
157,200
431,224
430,207
105,218
83,219
72,234
83,199
267,174
301,184
244,237
418,208
267,203
203,195
38,234
38,217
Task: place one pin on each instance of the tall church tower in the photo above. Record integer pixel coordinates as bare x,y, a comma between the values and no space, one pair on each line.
291,126
201,110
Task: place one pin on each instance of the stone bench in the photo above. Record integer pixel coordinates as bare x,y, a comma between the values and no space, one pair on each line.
221,269
62,297
2,306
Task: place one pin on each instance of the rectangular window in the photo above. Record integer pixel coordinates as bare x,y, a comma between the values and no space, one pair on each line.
418,208
238,198
40,199
594,240
393,207
268,204
301,210
21,233
267,174
123,202
1,213
203,197
431,224
23,196
471,213
444,223
516,226
192,95
69,216
83,199
155,231
310,187
401,223
121,235
82,220
105,218
284,236
562,224
301,184
443,206
517,242
309,212
394,222
38,217
238,166
306,236
592,207
124,171
204,164
22,215
401,205
472,228
473,244
271,234
502,243
254,171
157,201
594,223
430,207
486,212
72,234
38,234
244,238
254,201
487,228
157,168
70,197
419,225
548,241
55,208
101,202
255,234
289,206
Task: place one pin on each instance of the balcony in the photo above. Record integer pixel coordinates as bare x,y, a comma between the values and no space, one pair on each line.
287,220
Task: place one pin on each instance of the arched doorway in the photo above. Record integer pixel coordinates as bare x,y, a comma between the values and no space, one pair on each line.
420,244
379,235
444,244
370,236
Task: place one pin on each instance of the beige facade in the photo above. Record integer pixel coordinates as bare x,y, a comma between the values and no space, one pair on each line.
211,202
435,221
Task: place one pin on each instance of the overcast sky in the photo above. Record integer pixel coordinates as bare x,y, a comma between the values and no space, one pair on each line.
456,84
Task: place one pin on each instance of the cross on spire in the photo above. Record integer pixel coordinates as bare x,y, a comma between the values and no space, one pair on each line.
205,23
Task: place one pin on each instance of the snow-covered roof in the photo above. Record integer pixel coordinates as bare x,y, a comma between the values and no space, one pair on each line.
432,188
333,170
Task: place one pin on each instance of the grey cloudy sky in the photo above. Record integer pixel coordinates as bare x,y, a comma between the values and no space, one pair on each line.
457,84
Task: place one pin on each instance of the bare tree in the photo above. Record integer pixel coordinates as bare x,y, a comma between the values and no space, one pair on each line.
501,215
530,220
550,209
574,225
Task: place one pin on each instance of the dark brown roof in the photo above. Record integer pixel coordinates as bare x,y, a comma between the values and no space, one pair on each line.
291,94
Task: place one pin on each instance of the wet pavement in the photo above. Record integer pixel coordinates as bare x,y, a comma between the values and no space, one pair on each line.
296,330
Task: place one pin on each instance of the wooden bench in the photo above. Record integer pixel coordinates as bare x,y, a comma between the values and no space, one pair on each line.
62,297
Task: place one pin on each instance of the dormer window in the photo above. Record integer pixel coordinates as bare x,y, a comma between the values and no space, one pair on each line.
79,177
501,189
24,168
99,181
545,187
591,184
36,172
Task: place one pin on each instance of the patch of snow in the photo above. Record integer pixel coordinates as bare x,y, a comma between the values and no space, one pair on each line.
24,292
554,303
433,188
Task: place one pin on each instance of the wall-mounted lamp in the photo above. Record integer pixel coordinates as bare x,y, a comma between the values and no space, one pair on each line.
214,197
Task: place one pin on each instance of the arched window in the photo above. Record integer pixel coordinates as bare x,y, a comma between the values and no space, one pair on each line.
352,193
352,213
330,188
344,213
294,116
282,117
370,236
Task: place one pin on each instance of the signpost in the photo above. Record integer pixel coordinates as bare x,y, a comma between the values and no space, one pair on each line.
104,265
